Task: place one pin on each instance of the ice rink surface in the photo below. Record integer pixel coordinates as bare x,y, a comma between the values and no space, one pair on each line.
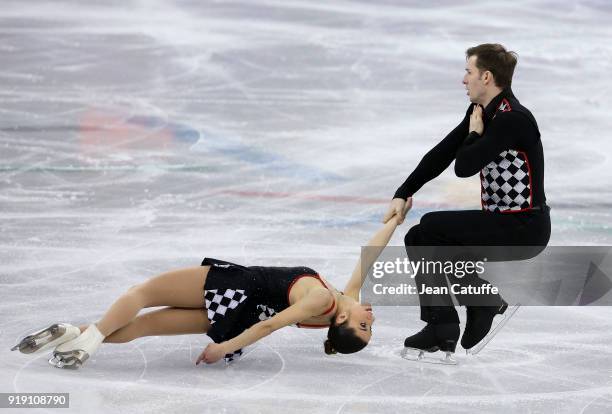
140,136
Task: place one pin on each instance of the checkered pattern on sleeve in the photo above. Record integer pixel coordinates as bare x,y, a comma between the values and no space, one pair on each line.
505,184
265,312
219,301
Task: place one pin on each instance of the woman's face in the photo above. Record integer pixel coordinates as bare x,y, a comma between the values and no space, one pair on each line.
361,320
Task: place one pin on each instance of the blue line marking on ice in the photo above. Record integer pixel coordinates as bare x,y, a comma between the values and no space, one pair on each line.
234,148
183,133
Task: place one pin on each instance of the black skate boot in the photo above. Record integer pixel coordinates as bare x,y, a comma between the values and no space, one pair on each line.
432,338
478,331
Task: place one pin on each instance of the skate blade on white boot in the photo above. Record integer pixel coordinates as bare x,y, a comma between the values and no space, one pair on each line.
494,331
69,360
50,337
73,354
419,355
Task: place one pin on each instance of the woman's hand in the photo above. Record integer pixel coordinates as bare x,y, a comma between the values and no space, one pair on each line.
476,123
212,353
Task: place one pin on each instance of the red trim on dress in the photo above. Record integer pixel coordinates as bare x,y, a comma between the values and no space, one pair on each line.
311,326
316,276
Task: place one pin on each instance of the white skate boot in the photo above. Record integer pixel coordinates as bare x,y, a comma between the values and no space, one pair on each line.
74,353
48,338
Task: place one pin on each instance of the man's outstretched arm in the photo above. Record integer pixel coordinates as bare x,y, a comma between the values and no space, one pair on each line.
432,165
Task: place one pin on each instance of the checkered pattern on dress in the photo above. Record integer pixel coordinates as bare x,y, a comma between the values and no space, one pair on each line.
266,312
234,356
218,302
505,184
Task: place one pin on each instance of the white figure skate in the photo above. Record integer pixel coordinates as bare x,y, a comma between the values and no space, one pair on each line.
48,338
74,353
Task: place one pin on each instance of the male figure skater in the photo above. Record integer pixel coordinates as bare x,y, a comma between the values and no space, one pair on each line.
499,139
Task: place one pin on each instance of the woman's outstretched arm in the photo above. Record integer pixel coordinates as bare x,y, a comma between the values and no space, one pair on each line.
317,300
376,246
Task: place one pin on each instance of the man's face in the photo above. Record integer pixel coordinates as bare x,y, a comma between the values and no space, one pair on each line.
473,80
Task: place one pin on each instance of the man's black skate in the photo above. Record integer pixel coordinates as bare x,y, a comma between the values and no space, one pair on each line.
478,331
432,338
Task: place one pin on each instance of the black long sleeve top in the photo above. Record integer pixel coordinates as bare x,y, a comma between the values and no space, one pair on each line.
509,157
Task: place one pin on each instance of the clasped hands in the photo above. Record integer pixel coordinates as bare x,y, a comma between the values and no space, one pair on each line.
398,207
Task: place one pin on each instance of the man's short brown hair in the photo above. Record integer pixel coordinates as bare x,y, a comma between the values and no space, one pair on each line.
497,60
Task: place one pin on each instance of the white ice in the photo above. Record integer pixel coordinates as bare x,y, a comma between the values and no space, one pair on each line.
140,136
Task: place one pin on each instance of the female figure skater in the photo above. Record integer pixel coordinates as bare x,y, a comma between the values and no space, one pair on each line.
234,305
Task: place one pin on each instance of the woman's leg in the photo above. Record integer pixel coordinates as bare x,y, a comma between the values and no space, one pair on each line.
180,288
166,321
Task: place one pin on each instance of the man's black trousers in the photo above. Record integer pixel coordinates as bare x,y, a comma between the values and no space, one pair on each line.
465,235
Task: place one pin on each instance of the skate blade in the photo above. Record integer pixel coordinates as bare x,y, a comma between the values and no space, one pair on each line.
69,359
509,312
57,362
418,355
35,342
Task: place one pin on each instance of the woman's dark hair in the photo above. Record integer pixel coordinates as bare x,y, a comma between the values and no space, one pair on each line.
497,60
342,338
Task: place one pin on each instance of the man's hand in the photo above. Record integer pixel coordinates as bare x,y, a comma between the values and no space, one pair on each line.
398,207
212,353
476,123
